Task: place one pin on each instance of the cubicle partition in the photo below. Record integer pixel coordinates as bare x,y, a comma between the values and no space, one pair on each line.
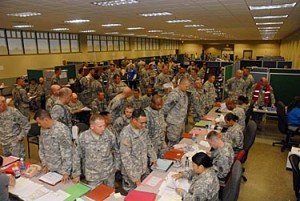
258,73
250,63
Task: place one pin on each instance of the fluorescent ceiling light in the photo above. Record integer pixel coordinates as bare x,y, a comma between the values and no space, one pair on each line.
107,3
193,25
135,28
211,29
24,14
270,17
23,26
266,28
112,33
76,21
155,31
88,31
268,23
142,35
129,34
60,29
155,14
178,21
288,5
111,25
167,33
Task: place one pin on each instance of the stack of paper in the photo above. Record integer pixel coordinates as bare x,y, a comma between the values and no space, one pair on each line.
57,196
76,191
153,181
202,123
25,188
51,178
163,164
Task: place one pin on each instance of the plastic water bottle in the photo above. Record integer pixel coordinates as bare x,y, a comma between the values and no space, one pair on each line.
209,126
22,165
194,138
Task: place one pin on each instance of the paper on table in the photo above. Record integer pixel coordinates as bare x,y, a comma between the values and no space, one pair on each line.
57,196
51,178
153,181
204,143
37,194
180,183
169,196
163,164
24,187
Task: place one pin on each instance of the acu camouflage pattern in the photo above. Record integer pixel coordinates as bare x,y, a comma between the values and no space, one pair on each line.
234,135
61,113
210,91
21,100
98,106
235,88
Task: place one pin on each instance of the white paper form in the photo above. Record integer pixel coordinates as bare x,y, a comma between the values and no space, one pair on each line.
153,181
57,196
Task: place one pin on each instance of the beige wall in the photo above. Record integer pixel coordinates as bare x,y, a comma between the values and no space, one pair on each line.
290,49
191,47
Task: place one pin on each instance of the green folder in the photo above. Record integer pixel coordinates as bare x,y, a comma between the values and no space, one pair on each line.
202,123
76,191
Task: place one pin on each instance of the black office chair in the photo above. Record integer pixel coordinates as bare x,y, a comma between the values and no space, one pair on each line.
82,127
33,136
249,113
295,162
284,128
232,189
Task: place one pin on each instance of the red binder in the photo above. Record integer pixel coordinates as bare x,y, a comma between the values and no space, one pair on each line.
100,193
173,154
135,195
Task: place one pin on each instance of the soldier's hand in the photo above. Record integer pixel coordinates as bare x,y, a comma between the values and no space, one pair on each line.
45,169
12,180
154,163
179,191
177,176
76,179
137,182
20,138
65,178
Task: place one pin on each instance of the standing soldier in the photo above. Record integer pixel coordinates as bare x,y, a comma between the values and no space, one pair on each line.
13,128
236,86
147,78
175,108
55,146
86,82
162,79
53,98
249,82
135,148
198,101
136,100
156,125
117,104
55,79
115,87
21,99
123,120
210,91
99,104
97,150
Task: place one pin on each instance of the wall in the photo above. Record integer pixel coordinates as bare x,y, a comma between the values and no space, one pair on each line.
191,47
290,49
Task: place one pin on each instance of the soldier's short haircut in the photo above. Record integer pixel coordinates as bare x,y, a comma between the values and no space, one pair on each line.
64,92
137,113
95,117
2,99
18,78
104,113
212,135
129,106
116,75
184,80
202,159
155,98
231,116
42,114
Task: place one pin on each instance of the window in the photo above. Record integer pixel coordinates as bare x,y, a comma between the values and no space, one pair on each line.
143,44
121,43
54,42
90,43
42,42
3,46
65,42
74,43
96,42
127,43
14,41
116,43
29,42
110,46
103,43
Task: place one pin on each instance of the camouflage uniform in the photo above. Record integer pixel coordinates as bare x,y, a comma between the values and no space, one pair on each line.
96,87
235,88
98,106
111,74
55,148
210,91
135,146
161,79
146,100
99,156
137,103
41,94
62,114
249,82
120,123
86,95
147,78
55,80
156,126
115,89
179,76
175,108
13,127
116,106
73,107
241,115
234,135
204,186
222,159
21,100
50,102
198,104
201,73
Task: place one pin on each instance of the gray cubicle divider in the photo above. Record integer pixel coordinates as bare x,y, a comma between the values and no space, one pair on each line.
258,73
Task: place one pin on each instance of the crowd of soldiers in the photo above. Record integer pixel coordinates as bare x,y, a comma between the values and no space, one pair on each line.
129,127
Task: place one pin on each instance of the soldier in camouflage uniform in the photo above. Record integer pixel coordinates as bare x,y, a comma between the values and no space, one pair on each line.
60,111
210,91
236,86
112,71
202,71
116,105
146,99
75,105
239,112
162,79
123,120
249,82
14,126
86,82
204,181
96,86
55,79
41,99
147,78
222,155
136,100
55,145
53,98
21,99
99,104
175,110
135,148
181,74
198,101
234,135
97,152
116,86
156,125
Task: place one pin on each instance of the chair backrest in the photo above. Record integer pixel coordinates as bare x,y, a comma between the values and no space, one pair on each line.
232,189
249,113
82,127
249,135
35,130
282,119
295,160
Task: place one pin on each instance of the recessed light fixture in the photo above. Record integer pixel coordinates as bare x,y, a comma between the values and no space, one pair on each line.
107,3
155,14
76,21
112,33
24,14
278,6
168,33
268,23
111,25
60,29
135,28
143,35
155,31
193,25
129,34
88,31
270,17
23,26
265,28
208,29
178,21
